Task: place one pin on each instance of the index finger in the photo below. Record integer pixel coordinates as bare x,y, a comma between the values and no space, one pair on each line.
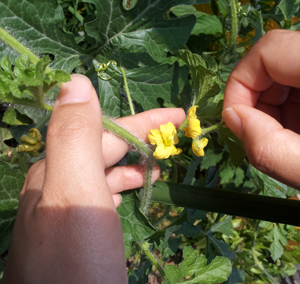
270,60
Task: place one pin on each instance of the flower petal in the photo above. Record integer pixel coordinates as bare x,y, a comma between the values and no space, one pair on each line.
192,112
167,130
155,137
175,151
194,128
162,152
187,133
198,146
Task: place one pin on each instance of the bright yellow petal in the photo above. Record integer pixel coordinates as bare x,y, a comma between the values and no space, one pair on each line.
194,128
192,112
187,133
175,151
155,137
167,130
175,138
198,146
162,152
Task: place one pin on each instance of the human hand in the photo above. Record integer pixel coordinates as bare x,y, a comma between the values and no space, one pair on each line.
262,105
67,228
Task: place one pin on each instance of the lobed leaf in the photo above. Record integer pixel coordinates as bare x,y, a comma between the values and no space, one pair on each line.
11,183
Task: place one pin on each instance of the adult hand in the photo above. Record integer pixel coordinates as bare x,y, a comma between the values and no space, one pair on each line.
67,228
262,105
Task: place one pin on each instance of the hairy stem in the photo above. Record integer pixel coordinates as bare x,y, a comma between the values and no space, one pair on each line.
145,246
234,23
211,128
147,189
128,137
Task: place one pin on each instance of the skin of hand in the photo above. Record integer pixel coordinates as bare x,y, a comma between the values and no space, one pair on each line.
262,105
67,228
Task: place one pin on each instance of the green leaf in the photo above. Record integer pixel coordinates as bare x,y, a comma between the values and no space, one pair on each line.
205,23
191,261
270,186
217,271
13,117
173,274
289,8
206,85
41,32
224,227
221,248
5,134
235,146
134,224
189,177
211,158
34,113
144,25
237,276
29,83
145,84
278,242
11,183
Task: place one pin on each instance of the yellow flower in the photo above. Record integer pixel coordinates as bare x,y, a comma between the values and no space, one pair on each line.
197,146
165,138
193,129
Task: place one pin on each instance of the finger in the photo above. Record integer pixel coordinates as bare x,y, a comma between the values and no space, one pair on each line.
117,198
139,125
74,165
270,148
266,62
34,179
128,177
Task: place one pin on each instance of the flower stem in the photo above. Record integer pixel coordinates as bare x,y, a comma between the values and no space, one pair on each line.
213,127
145,246
128,137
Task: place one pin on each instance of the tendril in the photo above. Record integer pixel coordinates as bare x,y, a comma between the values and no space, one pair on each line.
103,67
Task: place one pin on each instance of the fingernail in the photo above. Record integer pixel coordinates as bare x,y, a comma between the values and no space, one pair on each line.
233,121
78,90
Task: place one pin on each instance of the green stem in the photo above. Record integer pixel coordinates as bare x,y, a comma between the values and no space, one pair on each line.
23,164
137,256
234,23
126,85
147,189
19,47
145,246
211,128
128,137
127,91
180,128
43,121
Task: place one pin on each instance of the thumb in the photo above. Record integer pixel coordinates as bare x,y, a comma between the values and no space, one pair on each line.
270,148
74,164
